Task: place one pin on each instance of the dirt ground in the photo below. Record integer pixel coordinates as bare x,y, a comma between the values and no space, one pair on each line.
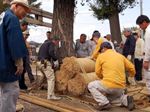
29,107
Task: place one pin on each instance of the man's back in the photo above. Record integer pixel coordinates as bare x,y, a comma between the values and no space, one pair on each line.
46,51
110,66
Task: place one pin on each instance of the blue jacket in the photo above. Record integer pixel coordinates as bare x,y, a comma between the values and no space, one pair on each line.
12,45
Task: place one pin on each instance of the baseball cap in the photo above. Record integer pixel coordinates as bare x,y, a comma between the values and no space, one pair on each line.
105,45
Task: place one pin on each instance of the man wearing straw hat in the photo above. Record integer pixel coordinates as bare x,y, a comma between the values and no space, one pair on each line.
12,51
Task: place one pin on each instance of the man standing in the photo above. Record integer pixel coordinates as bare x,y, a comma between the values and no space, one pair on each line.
129,46
12,52
45,56
110,68
144,23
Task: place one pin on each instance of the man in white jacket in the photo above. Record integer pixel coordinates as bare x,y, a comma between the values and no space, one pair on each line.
144,23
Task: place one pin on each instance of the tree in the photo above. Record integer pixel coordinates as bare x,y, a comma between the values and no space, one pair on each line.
110,9
62,26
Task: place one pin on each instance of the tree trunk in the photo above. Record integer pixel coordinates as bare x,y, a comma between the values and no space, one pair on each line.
62,26
115,27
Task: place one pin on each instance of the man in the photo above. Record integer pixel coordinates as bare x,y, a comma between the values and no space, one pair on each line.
48,34
138,60
128,51
23,25
144,23
108,37
26,65
110,68
99,40
46,55
12,52
129,46
81,47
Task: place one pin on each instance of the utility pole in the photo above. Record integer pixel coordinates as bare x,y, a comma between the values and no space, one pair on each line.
141,12
141,7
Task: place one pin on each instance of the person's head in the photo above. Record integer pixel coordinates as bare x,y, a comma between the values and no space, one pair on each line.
48,34
143,21
82,38
105,46
26,34
127,32
108,37
20,8
55,40
95,36
23,25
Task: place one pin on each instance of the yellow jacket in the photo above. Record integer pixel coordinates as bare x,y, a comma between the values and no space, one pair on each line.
97,48
111,66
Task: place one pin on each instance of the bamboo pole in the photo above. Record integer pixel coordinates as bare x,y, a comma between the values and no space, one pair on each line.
55,105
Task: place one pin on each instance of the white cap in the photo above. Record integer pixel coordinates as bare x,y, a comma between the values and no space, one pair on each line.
22,2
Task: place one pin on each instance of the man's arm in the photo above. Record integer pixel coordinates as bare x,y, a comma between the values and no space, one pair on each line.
98,68
129,67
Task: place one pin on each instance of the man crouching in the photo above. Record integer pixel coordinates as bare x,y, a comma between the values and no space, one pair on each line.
110,68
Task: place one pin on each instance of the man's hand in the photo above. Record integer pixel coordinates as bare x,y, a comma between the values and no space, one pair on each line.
129,57
146,65
56,64
19,70
19,65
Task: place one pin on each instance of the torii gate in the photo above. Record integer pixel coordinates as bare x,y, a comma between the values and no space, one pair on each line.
39,14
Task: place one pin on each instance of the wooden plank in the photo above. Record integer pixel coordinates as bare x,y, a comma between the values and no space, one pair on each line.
41,12
34,21
60,104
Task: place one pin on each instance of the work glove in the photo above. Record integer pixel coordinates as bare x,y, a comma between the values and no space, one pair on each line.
129,57
56,64
19,65
132,81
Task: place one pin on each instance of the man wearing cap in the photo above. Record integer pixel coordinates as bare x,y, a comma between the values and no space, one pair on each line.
144,22
110,68
26,64
12,51
46,56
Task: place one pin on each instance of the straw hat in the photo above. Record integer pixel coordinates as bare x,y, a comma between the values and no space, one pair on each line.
25,3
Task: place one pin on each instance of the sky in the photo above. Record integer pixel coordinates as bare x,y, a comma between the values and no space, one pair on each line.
86,23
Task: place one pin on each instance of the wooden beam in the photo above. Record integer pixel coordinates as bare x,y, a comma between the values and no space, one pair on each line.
37,22
41,13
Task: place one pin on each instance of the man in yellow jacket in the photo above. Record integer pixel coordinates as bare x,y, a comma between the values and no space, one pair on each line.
110,68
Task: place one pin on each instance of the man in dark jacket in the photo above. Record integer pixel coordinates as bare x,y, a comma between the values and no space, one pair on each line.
129,46
128,51
45,56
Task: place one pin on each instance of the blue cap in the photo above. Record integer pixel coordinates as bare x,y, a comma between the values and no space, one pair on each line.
105,45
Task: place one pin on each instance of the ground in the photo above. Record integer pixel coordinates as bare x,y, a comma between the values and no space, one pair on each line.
81,103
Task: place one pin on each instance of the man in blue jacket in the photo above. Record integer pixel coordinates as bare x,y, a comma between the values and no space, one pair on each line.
12,51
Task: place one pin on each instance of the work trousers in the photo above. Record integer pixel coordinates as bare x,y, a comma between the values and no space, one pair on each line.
138,67
105,95
9,93
49,73
147,79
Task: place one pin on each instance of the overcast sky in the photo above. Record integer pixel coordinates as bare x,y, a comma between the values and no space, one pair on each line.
86,23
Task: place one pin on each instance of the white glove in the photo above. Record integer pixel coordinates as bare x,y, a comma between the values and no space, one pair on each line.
56,64
132,81
129,57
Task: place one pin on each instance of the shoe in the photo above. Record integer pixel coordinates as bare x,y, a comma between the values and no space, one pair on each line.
53,97
130,102
104,107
